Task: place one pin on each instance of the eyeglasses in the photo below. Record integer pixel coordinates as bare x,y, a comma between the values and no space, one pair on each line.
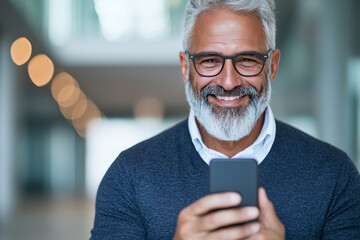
248,64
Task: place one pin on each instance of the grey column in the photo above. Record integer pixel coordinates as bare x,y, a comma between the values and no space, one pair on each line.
7,130
333,50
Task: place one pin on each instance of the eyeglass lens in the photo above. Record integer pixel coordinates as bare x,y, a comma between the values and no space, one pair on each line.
245,64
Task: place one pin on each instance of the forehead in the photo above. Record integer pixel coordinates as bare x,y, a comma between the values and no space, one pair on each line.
225,31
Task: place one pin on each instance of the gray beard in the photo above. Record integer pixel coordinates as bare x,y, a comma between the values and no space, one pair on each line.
228,124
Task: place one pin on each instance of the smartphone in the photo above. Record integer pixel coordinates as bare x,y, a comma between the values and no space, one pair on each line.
235,175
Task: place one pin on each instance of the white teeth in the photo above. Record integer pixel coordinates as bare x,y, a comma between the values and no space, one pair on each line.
228,98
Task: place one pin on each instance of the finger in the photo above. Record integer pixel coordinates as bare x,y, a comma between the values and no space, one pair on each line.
213,202
268,218
266,207
227,217
235,232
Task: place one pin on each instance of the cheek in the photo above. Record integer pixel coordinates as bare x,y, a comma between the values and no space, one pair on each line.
259,82
199,82
264,88
199,85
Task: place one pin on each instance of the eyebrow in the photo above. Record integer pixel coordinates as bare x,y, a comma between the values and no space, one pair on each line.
216,53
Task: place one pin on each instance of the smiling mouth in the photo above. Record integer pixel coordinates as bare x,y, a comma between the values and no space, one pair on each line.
228,101
227,98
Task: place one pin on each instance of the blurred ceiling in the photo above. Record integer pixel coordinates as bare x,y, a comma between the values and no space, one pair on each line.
115,65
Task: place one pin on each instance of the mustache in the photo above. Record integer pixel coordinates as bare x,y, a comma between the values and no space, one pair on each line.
237,91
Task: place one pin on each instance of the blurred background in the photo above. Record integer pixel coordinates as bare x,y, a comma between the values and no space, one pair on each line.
82,80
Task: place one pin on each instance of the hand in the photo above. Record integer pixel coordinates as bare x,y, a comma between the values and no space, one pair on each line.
195,221
271,227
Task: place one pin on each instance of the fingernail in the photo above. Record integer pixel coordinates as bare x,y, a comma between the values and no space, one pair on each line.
234,197
255,227
253,212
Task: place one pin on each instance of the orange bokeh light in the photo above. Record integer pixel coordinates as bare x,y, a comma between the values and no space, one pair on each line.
41,70
79,107
68,95
66,112
20,51
65,89
91,113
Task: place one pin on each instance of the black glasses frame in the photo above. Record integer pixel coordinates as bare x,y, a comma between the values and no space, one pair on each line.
262,55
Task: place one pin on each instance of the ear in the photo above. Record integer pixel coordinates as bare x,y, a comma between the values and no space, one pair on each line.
275,63
184,67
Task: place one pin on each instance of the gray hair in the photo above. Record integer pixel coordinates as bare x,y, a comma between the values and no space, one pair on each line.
264,9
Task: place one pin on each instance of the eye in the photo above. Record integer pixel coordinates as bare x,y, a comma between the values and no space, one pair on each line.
248,60
208,61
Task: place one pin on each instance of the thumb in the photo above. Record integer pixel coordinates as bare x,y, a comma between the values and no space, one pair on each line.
267,211
268,219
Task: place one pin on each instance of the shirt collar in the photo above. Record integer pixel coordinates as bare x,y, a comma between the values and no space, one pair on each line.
258,150
195,132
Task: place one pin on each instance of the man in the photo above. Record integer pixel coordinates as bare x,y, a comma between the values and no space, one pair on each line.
158,188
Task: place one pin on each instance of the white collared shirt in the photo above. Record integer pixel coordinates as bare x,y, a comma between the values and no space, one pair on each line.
258,150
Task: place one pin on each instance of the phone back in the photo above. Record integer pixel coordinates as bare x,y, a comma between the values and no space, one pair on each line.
235,175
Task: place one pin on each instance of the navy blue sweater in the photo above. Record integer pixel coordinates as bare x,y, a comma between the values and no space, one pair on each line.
314,187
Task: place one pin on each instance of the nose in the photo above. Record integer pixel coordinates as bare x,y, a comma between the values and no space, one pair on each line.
229,78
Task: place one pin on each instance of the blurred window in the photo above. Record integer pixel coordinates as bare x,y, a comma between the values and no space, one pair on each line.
110,137
63,21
